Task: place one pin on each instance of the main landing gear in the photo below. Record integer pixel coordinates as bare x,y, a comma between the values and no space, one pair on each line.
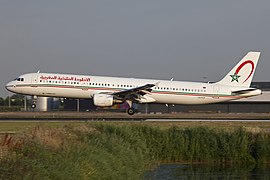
131,110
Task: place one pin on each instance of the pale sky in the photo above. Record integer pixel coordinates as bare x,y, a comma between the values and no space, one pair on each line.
157,39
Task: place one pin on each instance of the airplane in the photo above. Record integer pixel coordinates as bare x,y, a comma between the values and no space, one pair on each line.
107,91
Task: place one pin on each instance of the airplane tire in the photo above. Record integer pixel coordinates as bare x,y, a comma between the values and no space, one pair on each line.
33,106
131,111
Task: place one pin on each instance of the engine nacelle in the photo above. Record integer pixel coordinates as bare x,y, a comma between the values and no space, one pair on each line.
105,100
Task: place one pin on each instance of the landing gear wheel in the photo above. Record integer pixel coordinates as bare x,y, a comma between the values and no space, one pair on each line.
33,106
131,111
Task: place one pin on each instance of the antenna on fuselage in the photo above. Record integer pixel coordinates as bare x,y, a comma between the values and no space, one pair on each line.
171,79
38,71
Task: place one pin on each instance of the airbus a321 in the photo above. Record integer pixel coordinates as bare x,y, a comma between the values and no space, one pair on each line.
107,91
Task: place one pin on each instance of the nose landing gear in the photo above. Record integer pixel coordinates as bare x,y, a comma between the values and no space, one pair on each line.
34,101
33,106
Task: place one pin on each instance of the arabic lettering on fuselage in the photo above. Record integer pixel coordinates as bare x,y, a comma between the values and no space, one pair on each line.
65,78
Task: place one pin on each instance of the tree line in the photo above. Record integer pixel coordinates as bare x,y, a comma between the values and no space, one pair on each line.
14,100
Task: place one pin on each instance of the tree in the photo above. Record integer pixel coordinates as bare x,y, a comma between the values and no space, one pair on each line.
15,100
2,101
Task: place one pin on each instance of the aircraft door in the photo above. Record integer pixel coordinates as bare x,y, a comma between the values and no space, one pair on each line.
34,79
216,91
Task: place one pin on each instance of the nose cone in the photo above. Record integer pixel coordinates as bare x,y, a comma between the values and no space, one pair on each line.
10,86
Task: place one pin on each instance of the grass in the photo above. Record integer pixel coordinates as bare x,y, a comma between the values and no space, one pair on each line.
18,126
118,115
123,150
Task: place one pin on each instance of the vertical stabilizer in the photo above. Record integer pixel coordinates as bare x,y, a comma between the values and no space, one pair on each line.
242,74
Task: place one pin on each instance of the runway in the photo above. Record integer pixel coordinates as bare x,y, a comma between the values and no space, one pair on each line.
206,120
125,120
103,116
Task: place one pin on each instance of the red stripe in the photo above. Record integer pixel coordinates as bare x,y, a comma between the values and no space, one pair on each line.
165,93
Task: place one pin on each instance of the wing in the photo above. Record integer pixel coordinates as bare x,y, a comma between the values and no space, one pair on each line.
134,94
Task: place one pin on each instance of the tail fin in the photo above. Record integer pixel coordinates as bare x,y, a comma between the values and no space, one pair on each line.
242,74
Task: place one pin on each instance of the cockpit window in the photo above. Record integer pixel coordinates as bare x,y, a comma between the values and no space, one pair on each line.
19,79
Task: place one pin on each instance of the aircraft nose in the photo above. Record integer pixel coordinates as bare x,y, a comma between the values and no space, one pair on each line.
10,86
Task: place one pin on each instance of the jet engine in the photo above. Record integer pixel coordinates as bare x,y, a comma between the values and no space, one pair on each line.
105,100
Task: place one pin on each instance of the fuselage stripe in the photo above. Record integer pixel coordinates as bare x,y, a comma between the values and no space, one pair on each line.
120,89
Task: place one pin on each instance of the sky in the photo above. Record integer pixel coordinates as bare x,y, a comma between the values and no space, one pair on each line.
188,40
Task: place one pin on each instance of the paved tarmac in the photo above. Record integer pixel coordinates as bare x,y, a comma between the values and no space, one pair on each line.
207,120
116,116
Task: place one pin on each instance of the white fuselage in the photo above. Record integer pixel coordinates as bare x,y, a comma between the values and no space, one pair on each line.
83,86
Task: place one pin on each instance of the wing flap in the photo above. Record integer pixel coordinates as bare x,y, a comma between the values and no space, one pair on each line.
142,90
136,94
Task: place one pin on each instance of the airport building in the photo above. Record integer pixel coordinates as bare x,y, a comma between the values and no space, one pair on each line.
47,104
257,104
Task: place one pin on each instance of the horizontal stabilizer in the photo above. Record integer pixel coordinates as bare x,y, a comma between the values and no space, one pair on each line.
244,91
247,92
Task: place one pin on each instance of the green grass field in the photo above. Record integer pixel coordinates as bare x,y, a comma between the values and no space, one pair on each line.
19,126
124,150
